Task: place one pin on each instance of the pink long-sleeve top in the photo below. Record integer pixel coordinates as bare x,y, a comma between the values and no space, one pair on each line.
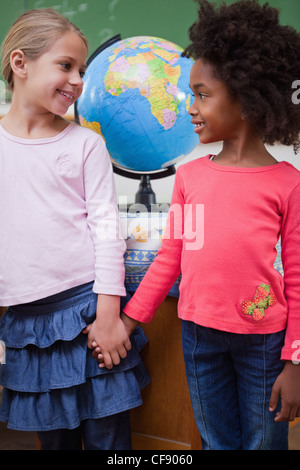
58,216
223,226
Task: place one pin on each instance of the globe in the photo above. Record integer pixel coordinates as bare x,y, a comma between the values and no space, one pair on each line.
136,95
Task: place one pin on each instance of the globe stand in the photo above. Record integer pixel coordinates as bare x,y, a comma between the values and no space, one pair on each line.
145,195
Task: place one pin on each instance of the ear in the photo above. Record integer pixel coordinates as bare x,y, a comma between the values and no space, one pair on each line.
18,63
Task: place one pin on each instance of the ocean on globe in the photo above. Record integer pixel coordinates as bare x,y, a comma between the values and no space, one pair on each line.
136,95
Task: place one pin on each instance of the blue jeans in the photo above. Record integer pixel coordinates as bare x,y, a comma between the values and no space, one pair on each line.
230,378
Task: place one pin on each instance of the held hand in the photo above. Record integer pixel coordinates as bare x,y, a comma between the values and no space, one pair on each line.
287,386
110,341
130,325
108,332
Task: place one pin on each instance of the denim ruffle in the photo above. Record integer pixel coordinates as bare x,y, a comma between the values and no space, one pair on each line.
50,378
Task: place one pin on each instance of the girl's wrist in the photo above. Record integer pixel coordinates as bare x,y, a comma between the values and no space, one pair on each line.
129,323
108,305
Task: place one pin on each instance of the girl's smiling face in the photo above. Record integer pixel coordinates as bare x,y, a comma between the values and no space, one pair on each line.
54,80
215,113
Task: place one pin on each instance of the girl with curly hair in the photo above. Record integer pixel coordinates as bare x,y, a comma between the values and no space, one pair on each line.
240,316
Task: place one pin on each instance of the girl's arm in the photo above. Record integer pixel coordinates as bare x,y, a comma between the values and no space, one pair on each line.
162,273
108,330
166,267
290,253
287,385
103,222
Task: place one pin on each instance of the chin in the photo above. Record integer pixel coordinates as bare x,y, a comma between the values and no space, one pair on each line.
208,140
204,141
60,112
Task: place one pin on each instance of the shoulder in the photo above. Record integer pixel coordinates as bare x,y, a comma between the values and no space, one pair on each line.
289,175
84,134
86,142
188,168
291,169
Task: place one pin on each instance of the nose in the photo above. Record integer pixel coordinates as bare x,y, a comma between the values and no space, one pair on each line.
193,110
76,80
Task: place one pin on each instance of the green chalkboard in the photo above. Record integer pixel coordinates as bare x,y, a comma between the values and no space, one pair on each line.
102,19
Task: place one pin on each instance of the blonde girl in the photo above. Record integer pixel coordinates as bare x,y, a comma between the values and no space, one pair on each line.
57,275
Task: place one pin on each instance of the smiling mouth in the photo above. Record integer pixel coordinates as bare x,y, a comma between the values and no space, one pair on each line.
66,95
199,126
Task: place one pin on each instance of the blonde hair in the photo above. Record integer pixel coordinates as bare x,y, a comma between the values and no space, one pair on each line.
34,33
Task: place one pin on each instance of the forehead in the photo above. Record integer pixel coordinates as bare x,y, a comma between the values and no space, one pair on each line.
203,73
69,44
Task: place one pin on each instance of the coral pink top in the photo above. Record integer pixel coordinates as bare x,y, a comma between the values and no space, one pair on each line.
223,226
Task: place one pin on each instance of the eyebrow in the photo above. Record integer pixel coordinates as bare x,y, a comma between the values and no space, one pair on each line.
199,85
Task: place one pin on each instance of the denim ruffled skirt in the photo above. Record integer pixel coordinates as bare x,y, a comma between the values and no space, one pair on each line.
50,379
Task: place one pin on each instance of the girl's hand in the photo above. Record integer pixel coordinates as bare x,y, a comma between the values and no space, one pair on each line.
108,332
130,325
287,386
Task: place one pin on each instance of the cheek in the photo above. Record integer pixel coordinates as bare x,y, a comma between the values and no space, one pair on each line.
225,116
80,89
193,109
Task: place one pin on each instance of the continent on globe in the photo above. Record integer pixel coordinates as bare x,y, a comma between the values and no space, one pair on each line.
148,72
136,95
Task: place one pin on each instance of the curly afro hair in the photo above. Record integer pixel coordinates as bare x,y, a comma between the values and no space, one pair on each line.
257,58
